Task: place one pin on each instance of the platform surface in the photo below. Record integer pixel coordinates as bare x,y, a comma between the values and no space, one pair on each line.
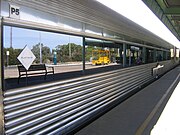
168,123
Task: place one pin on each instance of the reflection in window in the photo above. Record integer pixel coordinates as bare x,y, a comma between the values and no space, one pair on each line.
15,39
93,30
164,55
107,33
70,52
71,24
150,55
60,51
100,53
159,55
120,36
168,55
136,55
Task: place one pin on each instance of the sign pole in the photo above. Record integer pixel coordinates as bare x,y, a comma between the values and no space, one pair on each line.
7,56
26,78
40,48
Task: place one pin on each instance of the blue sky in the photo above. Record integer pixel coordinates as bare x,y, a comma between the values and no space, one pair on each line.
22,37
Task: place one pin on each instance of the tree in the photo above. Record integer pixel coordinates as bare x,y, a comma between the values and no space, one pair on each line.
46,53
89,52
12,58
69,53
76,54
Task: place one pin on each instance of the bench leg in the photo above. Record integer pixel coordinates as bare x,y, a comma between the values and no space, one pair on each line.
45,76
26,79
18,79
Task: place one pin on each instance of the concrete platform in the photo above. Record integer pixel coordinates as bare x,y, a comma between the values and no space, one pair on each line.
168,123
138,114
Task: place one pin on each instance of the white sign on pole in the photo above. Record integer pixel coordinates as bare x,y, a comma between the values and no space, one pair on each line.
26,57
7,53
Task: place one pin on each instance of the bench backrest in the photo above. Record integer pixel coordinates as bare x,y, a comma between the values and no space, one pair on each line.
32,68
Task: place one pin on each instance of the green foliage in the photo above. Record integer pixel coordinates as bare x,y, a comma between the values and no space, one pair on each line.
46,53
12,58
89,52
68,53
65,53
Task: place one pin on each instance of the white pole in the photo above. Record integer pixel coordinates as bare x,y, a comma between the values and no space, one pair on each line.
40,48
69,47
11,37
7,54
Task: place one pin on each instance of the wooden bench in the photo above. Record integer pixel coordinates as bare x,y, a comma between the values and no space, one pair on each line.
34,69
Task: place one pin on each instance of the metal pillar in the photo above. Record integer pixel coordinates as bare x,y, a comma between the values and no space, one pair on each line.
154,55
162,55
84,55
166,55
130,61
40,48
144,53
124,54
1,80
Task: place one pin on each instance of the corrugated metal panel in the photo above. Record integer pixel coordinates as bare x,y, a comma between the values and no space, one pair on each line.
92,12
60,107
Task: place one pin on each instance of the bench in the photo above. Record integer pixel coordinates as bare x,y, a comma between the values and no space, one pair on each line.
156,71
34,69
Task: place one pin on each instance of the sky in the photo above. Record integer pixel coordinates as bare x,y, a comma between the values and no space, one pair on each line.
22,37
138,12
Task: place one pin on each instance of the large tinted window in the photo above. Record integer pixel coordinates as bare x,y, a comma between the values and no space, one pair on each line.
101,53
59,51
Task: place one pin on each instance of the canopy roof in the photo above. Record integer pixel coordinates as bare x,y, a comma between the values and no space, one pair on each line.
168,11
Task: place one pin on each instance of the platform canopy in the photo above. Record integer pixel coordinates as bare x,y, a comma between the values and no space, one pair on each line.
168,11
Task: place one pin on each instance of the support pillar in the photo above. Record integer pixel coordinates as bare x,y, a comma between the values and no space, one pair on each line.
124,54
166,55
129,53
144,53
1,80
162,55
154,55
83,56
